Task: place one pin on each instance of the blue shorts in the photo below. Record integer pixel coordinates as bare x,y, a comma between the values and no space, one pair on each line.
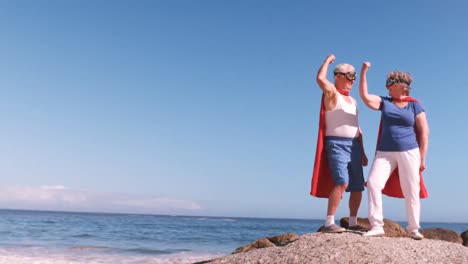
345,161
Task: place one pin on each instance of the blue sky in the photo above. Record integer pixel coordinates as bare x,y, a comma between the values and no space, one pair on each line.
211,107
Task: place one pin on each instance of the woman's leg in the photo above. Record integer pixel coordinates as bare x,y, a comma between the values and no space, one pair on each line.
408,168
382,166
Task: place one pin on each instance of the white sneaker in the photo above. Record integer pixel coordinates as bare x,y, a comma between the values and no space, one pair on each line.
416,235
374,232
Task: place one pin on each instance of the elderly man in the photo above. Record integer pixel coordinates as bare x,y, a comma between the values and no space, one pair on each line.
340,153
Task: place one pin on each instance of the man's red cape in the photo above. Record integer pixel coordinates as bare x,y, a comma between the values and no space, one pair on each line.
392,187
322,182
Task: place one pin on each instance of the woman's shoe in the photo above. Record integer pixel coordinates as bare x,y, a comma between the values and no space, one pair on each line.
416,235
374,232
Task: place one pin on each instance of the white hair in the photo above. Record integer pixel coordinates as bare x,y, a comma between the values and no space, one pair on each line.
342,67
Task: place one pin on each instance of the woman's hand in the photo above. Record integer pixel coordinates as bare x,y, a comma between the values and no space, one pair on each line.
365,66
422,167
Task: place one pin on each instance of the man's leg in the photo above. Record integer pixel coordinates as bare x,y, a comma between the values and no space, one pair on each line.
338,152
335,198
333,203
356,185
354,203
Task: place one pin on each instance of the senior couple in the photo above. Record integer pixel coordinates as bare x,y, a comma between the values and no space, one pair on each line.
400,152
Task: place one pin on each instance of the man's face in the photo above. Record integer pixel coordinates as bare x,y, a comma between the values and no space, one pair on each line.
344,80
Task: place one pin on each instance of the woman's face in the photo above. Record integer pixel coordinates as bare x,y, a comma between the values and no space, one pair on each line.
396,90
396,87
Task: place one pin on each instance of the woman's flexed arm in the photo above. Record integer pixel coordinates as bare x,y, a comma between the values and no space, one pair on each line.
371,100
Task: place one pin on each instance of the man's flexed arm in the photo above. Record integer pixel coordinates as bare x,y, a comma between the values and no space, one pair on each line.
327,87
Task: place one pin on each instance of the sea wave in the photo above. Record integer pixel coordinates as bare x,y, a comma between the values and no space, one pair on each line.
83,235
150,251
90,248
19,256
211,219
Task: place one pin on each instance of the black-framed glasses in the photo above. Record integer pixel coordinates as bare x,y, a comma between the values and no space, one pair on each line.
390,81
349,75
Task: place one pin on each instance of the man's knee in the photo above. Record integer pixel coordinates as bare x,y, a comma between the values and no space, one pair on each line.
342,187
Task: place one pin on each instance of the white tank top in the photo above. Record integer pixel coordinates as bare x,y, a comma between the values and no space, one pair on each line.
343,120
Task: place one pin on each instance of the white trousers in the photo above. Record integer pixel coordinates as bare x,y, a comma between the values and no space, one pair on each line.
408,163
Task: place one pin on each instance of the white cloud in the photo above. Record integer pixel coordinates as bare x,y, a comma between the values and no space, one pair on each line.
58,197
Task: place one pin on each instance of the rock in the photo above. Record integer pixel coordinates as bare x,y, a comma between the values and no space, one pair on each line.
442,234
391,228
364,222
243,248
205,261
284,239
280,240
262,243
464,237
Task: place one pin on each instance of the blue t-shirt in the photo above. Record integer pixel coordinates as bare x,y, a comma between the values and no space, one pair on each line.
398,126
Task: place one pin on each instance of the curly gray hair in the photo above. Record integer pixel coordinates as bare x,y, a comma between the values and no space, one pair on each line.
405,77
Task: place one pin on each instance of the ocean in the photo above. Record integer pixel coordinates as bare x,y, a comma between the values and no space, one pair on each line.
68,237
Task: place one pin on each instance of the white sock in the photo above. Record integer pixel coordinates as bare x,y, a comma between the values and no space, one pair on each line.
352,221
330,220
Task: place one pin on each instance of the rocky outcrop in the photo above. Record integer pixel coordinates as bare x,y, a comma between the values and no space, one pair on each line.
464,237
280,240
442,234
349,247
391,228
283,240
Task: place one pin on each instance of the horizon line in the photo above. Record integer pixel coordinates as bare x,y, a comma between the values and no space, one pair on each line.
184,215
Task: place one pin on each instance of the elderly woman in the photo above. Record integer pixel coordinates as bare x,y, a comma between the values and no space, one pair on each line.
401,151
